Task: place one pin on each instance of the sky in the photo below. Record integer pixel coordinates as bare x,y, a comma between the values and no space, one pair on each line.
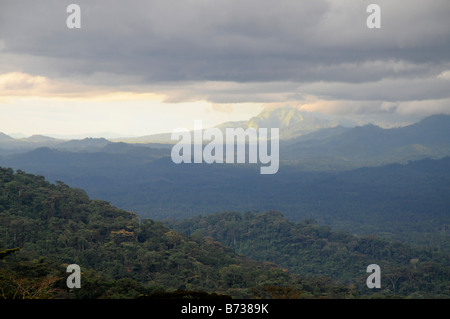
143,67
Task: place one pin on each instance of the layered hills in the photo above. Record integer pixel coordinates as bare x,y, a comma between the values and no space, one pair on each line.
366,180
307,139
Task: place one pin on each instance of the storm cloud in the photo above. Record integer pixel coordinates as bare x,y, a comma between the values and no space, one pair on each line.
229,51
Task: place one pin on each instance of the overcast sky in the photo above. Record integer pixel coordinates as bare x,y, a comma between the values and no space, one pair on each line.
140,67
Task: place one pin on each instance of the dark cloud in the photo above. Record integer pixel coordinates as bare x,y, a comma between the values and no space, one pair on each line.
278,49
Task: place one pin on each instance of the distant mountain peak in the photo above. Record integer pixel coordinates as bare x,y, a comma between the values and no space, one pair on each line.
4,137
282,117
368,126
291,121
41,139
84,144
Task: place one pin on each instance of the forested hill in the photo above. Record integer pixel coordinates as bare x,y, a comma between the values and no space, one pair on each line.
307,248
44,227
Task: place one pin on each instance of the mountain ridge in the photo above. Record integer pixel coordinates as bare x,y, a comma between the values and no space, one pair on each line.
426,138
293,124
291,121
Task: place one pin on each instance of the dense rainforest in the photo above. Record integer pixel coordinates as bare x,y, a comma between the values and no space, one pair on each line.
44,227
407,202
310,249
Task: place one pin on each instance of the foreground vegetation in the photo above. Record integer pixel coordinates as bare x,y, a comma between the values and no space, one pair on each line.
44,227
309,249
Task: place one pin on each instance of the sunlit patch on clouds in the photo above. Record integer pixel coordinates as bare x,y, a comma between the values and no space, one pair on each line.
57,108
18,83
445,75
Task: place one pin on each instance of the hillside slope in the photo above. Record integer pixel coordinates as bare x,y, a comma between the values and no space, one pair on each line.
307,248
120,256
123,257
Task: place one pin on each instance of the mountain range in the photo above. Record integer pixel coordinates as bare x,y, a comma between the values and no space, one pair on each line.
301,134
370,144
291,122
310,141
